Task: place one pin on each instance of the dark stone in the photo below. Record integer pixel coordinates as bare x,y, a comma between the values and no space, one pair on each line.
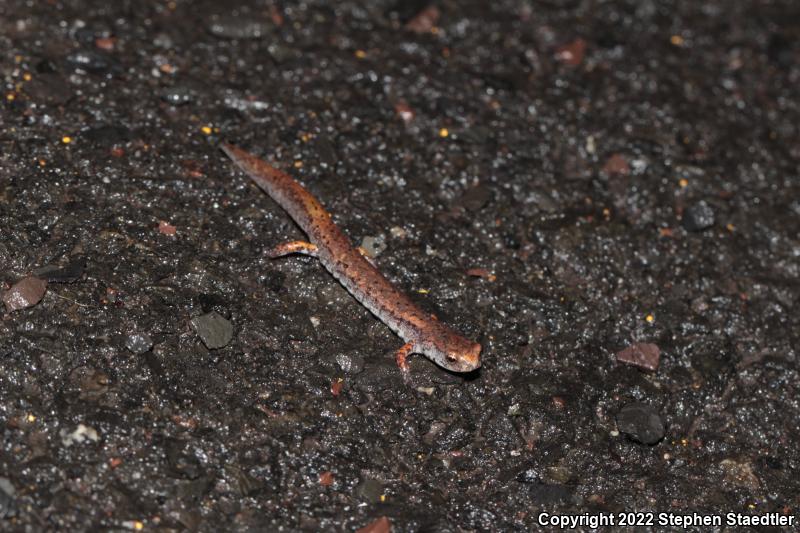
181,462
475,198
529,475
549,494
177,95
8,507
641,423
66,274
138,343
107,135
369,490
350,363
698,217
213,330
454,438
93,62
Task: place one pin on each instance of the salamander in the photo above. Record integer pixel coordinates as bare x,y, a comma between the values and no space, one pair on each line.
421,331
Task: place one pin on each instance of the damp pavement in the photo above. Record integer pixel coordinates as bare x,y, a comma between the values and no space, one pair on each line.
604,194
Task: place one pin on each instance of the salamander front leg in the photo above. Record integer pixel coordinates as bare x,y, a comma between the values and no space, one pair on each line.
292,247
402,357
366,256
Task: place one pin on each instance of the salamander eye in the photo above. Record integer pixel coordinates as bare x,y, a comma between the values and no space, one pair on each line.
450,358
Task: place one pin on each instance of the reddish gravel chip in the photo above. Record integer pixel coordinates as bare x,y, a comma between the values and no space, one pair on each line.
27,292
381,525
645,356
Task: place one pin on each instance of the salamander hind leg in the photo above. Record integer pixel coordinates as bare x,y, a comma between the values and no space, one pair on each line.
292,247
401,356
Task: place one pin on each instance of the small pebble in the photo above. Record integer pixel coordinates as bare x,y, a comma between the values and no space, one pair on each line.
425,20
643,355
8,507
454,438
374,246
25,293
698,217
572,53
397,232
740,473
93,61
475,198
529,475
404,111
138,343
177,96
213,330
641,422
81,434
369,490
350,363
617,165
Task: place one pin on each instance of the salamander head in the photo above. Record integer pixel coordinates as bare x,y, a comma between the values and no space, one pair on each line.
450,350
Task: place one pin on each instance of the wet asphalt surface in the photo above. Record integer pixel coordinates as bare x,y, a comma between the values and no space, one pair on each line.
580,186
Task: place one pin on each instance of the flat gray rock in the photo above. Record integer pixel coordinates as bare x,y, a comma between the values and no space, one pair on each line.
214,330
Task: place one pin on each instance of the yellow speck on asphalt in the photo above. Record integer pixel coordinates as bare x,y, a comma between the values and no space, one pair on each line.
683,182
206,129
423,291
650,318
444,132
676,40
66,139
361,54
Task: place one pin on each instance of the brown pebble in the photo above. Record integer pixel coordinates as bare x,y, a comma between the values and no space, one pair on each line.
572,53
165,228
326,478
617,165
404,111
424,21
26,292
481,273
642,355
381,525
105,43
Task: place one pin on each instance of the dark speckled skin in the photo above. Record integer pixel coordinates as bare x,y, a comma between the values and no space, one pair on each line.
427,335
